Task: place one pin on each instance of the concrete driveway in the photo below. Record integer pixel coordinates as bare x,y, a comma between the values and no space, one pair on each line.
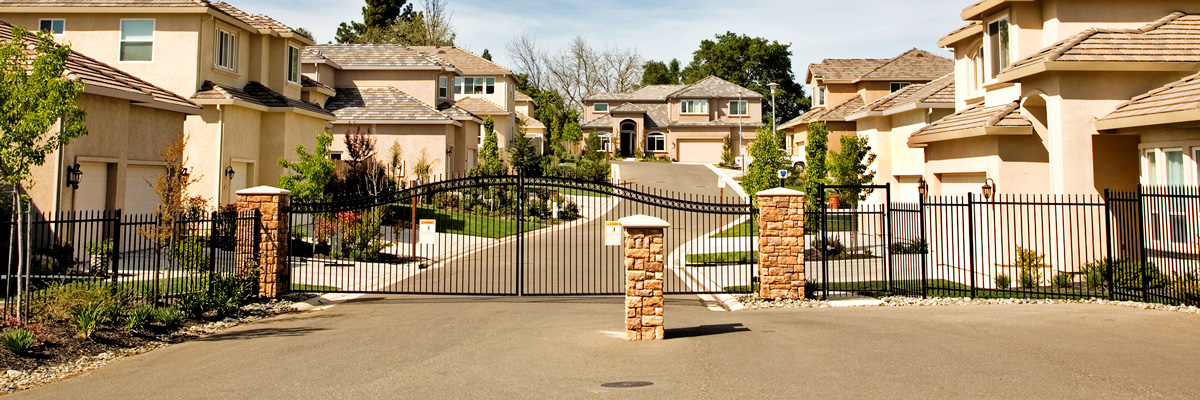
438,347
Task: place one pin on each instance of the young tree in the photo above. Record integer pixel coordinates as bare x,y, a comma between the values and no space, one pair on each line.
490,163
728,155
310,175
752,63
815,149
522,154
364,175
571,134
395,164
394,21
769,158
851,166
34,95
173,201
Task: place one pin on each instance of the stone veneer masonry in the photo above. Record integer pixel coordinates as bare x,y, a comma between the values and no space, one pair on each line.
273,272
781,244
644,271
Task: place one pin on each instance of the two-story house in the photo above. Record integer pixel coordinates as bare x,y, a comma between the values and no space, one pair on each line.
842,86
243,69
687,123
1043,91
116,165
404,98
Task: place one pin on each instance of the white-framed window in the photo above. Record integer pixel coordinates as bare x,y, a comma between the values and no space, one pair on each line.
293,71
335,155
820,95
605,140
999,45
656,141
600,107
1150,167
443,90
977,61
1196,166
474,85
899,85
738,108
137,40
54,26
226,50
693,106
1173,167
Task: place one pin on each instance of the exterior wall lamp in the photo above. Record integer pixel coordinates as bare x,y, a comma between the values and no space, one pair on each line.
229,172
989,188
74,174
922,187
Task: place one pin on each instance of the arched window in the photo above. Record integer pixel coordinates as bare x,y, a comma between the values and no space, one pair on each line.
656,142
605,139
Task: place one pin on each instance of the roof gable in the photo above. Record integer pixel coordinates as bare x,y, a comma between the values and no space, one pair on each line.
712,86
1175,102
915,64
381,104
371,56
467,62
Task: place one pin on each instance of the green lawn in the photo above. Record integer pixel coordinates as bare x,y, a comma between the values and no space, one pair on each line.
732,257
837,223
605,191
469,224
740,230
944,288
301,287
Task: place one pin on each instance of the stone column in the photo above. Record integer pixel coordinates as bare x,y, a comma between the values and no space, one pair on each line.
644,271
274,273
780,244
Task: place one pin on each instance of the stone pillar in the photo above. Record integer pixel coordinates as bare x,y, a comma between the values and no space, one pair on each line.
780,244
644,271
274,273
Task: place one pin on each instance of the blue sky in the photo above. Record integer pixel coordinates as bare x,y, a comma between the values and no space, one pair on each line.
666,29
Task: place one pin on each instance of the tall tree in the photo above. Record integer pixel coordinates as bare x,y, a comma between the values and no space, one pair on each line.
522,154
378,16
815,148
577,70
486,55
769,158
752,63
851,167
660,73
311,174
395,22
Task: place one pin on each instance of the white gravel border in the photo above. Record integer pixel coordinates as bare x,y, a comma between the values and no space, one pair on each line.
753,302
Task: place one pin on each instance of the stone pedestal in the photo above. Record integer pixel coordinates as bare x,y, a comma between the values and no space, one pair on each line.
781,244
644,271
274,273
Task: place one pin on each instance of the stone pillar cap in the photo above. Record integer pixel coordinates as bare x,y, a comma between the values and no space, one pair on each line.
780,192
642,221
263,190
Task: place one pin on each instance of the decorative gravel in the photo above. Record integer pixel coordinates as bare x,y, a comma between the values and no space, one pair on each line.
753,302
13,380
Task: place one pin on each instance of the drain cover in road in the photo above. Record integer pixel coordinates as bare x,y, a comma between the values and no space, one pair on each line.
626,384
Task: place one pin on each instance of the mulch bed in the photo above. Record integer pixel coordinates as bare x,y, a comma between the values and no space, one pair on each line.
61,344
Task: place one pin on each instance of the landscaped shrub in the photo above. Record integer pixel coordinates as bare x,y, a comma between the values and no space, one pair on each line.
909,246
87,318
1125,273
229,294
139,317
18,340
1003,282
833,248
1187,286
192,254
101,252
1093,275
169,317
58,258
1029,263
568,211
192,304
811,289
59,299
1063,280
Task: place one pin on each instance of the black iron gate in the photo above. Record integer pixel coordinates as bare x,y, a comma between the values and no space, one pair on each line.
516,235
848,249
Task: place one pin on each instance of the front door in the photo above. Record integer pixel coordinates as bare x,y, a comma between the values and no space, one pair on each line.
628,138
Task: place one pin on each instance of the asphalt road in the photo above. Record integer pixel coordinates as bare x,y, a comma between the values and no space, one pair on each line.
379,347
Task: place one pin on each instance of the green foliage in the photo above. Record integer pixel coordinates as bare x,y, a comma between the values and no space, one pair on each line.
832,248
850,166
192,254
87,318
192,305
521,153
1125,273
659,73
103,248
553,112
59,299
59,257
1186,285
909,246
1003,282
490,163
138,318
19,340
229,294
423,168
169,317
751,63
1063,280
486,55
571,133
814,172
1094,275
728,153
34,95
309,176
1029,263
768,159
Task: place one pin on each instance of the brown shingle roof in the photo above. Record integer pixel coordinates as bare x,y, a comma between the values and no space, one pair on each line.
628,108
524,97
977,116
369,55
656,117
458,113
467,62
912,64
381,104
258,21
645,93
969,26
530,122
479,106
97,74
1173,38
309,82
843,110
254,93
844,69
1178,96
807,117
103,3
712,86
940,91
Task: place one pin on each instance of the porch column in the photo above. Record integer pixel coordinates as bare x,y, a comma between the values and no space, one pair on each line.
781,244
274,273
644,268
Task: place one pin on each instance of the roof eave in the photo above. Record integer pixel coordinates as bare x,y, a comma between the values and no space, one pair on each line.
446,121
97,90
951,39
1120,66
864,114
971,133
321,90
301,111
977,11
1140,121
179,108
105,10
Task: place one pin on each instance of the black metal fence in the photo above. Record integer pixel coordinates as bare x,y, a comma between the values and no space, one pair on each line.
1140,245
141,255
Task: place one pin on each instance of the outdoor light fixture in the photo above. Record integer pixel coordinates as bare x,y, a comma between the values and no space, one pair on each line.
449,150
922,187
989,188
184,173
229,172
73,176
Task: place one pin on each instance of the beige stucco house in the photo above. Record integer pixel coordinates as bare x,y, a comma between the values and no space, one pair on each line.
401,96
842,86
1043,98
687,123
117,163
242,69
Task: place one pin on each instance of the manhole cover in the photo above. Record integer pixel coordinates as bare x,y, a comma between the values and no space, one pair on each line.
626,384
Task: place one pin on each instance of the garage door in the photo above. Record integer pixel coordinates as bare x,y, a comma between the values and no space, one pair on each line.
700,151
961,184
93,187
140,194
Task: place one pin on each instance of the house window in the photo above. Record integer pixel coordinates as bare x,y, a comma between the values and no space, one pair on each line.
335,155
1196,165
656,142
1150,167
600,107
293,71
442,89
977,61
737,107
999,45
137,40
694,106
1174,166
898,85
605,140
54,26
820,95
474,85
226,49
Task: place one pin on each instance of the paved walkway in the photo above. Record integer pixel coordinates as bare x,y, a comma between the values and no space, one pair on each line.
429,347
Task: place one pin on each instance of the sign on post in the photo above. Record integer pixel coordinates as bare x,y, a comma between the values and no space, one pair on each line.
612,233
428,233
721,183
783,174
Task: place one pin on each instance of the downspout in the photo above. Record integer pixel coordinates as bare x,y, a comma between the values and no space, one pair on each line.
220,149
